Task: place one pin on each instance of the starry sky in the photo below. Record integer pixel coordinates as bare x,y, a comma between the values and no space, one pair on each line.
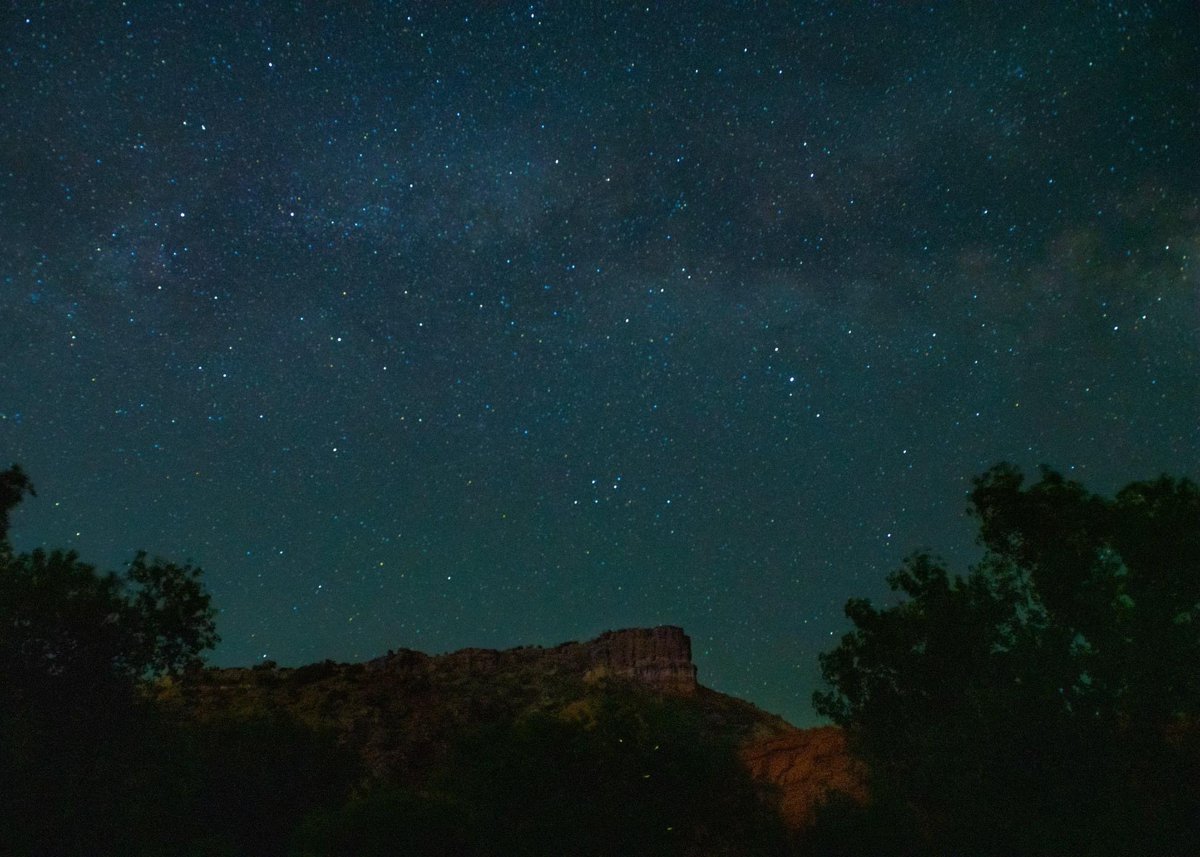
448,324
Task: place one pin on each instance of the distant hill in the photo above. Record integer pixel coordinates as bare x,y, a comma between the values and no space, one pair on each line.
404,711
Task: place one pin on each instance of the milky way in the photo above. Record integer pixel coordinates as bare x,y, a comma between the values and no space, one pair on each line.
486,324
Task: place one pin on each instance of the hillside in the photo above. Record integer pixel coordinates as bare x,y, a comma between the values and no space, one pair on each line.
403,712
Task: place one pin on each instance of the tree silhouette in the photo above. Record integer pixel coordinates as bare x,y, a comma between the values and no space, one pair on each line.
75,644
14,485
68,631
1049,701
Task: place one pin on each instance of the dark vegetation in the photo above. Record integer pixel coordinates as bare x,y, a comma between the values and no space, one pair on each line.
621,774
1047,703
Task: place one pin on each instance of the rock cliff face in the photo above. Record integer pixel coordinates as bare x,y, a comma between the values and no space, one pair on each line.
804,765
659,658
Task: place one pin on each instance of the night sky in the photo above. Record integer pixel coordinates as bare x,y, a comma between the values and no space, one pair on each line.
483,324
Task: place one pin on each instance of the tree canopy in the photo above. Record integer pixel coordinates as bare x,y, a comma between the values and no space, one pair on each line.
67,627
1048,700
76,754
14,485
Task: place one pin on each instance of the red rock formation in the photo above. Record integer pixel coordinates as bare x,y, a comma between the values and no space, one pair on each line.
660,657
804,765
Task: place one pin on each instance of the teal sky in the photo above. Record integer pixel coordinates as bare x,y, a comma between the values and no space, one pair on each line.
446,325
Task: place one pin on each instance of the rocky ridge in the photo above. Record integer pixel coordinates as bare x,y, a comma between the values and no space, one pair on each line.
658,658
402,710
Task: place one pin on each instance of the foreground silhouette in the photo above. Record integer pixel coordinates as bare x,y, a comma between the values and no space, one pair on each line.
1046,703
